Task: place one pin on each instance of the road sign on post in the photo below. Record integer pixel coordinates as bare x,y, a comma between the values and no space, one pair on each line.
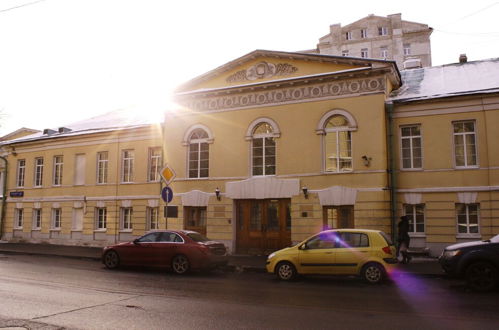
167,174
167,194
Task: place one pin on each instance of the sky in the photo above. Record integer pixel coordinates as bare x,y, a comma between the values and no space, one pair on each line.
63,61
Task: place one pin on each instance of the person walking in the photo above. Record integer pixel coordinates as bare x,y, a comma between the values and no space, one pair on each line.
404,239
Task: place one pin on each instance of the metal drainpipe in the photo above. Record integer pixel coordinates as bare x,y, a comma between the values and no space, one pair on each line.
392,182
4,196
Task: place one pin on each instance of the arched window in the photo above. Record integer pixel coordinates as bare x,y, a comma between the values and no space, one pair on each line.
263,149
198,154
337,144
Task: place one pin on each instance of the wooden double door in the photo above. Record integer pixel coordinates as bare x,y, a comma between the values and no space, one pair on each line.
262,225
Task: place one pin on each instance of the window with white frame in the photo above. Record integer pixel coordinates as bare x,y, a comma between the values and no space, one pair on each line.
263,150
102,166
383,52
38,180
363,33
37,219
154,165
18,218
348,35
337,144
382,30
127,166
199,154
411,149
21,172
152,218
465,144
415,213
56,218
364,53
407,49
467,219
100,218
345,53
126,218
58,167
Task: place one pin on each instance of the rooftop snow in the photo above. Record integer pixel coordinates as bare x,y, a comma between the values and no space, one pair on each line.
448,80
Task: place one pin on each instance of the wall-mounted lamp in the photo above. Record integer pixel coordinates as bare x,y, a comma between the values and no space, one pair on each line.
366,160
217,193
305,191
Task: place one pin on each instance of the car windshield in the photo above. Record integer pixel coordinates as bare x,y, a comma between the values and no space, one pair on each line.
495,239
197,237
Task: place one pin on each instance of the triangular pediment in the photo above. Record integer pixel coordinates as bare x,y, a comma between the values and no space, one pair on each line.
262,66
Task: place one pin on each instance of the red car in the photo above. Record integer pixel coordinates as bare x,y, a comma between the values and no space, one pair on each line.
180,250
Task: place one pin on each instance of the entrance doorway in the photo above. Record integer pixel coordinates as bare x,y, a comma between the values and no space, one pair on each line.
335,217
262,225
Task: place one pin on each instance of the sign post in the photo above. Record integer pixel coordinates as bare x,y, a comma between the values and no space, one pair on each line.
167,174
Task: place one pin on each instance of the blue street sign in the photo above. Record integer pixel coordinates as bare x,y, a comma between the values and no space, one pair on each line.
167,194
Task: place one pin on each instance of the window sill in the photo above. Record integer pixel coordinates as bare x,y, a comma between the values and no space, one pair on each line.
36,229
18,228
474,167
411,169
125,231
469,236
76,230
55,229
417,235
96,230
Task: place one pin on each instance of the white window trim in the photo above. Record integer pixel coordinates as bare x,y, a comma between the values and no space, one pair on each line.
412,168
122,219
18,218
57,180
187,134
366,51
97,218
363,33
38,166
348,35
276,132
469,235
475,132
198,142
384,31
34,219
131,166
158,164
321,126
105,163
407,49
54,216
21,173
413,207
149,212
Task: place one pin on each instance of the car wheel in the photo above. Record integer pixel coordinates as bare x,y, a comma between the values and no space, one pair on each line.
481,276
180,264
285,271
111,259
373,273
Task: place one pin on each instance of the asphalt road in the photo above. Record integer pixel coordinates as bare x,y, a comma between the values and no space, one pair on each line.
41,292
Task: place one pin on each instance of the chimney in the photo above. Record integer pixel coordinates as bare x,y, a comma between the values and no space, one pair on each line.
463,58
64,130
49,131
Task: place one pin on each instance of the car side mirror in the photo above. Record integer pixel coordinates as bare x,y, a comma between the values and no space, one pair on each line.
303,246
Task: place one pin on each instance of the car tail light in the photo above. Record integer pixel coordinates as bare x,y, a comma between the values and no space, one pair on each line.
204,249
387,250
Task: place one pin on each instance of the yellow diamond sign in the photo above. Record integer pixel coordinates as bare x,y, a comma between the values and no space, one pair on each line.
167,174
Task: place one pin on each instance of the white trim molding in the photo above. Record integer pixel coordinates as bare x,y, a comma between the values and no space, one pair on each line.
413,198
467,197
185,140
262,187
352,123
449,189
276,132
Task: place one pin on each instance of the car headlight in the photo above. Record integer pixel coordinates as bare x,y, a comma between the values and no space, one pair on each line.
451,253
271,255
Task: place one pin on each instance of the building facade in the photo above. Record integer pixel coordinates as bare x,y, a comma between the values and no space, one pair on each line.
380,37
91,183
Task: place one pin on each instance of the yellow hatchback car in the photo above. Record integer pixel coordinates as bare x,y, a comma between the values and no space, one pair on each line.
368,253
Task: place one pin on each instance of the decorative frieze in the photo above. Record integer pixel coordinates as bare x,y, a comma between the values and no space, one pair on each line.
284,95
262,70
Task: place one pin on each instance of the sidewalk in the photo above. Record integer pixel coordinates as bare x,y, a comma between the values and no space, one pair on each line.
424,266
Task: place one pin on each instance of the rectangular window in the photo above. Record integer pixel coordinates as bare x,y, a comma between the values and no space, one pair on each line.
102,166
126,218
152,218
363,33
383,52
38,172
264,156
415,213
412,156
127,166
18,218
58,167
338,148
37,219
364,53
383,31
407,49
56,218
154,164
348,35
100,218
344,53
21,172
80,165
467,219
465,144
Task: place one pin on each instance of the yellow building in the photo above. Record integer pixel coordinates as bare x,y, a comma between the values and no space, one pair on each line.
291,143
91,183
